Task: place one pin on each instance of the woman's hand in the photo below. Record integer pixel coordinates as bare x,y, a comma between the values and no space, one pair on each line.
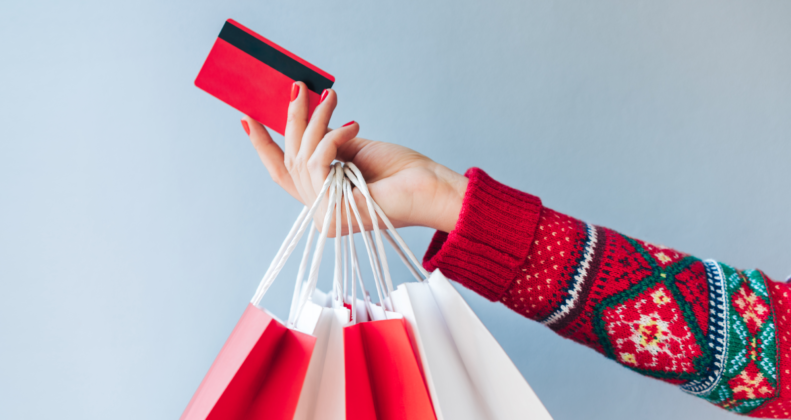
411,189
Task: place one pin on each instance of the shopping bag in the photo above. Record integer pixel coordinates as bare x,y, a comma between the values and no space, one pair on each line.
383,380
306,406
323,391
451,388
467,372
498,381
259,372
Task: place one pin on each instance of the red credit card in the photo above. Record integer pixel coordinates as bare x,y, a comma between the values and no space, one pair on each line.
254,75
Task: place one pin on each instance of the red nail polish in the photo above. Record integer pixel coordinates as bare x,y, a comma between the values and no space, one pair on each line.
324,95
294,91
246,127
348,123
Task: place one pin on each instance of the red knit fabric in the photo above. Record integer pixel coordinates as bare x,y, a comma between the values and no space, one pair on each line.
781,407
549,268
655,310
491,239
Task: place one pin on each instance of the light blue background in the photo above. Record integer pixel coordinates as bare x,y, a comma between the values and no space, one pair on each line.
136,219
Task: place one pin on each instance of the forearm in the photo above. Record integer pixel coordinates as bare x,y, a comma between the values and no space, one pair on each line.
701,325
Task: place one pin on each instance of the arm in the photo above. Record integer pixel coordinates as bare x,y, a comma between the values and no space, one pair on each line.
716,332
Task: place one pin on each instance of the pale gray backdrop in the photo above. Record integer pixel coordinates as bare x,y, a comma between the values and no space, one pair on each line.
136,219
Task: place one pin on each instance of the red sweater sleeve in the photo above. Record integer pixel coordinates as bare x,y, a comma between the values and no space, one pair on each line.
716,332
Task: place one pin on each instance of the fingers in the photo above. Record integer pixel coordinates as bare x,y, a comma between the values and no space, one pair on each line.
315,131
271,155
319,163
297,122
318,125
310,146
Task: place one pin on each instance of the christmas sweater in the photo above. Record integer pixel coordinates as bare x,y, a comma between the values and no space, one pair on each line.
717,332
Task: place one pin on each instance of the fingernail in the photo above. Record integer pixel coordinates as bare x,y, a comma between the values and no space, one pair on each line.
324,95
348,123
294,91
246,127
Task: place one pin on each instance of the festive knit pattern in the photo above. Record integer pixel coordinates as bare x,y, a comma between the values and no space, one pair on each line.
718,333
650,327
780,407
717,340
749,377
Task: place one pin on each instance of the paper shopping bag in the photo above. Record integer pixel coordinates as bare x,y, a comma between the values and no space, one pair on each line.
322,396
258,373
467,372
452,392
383,378
320,318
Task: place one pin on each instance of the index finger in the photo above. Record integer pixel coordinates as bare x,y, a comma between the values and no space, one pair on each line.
297,122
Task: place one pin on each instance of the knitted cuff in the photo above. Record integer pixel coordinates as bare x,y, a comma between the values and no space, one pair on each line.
492,237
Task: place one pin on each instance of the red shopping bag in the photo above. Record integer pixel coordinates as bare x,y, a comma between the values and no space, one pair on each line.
258,373
383,380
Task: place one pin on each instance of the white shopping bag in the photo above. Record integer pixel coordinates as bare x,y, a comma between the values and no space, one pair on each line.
322,393
468,374
452,392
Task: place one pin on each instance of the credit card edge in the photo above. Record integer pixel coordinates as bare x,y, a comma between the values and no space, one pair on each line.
282,49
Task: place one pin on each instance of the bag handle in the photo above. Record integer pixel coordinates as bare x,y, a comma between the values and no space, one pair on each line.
354,263
293,237
402,256
313,277
338,273
377,245
339,183
367,240
356,177
370,250
303,265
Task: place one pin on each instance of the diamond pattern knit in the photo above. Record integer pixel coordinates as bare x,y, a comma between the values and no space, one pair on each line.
717,332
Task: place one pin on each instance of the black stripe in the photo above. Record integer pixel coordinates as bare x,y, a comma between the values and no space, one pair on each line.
270,56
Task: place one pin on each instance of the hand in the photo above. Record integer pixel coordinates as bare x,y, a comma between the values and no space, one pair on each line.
411,189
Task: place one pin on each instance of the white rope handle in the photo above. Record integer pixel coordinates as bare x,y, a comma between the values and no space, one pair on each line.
293,237
339,183
377,235
371,255
337,277
377,244
352,253
356,177
389,224
280,252
347,197
403,257
313,277
303,265
345,257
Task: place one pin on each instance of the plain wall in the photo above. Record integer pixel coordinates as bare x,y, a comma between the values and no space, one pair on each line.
136,219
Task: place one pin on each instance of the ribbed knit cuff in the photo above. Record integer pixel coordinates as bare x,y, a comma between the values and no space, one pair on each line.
492,237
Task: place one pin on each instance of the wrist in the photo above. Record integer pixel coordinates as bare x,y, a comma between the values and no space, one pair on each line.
453,186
